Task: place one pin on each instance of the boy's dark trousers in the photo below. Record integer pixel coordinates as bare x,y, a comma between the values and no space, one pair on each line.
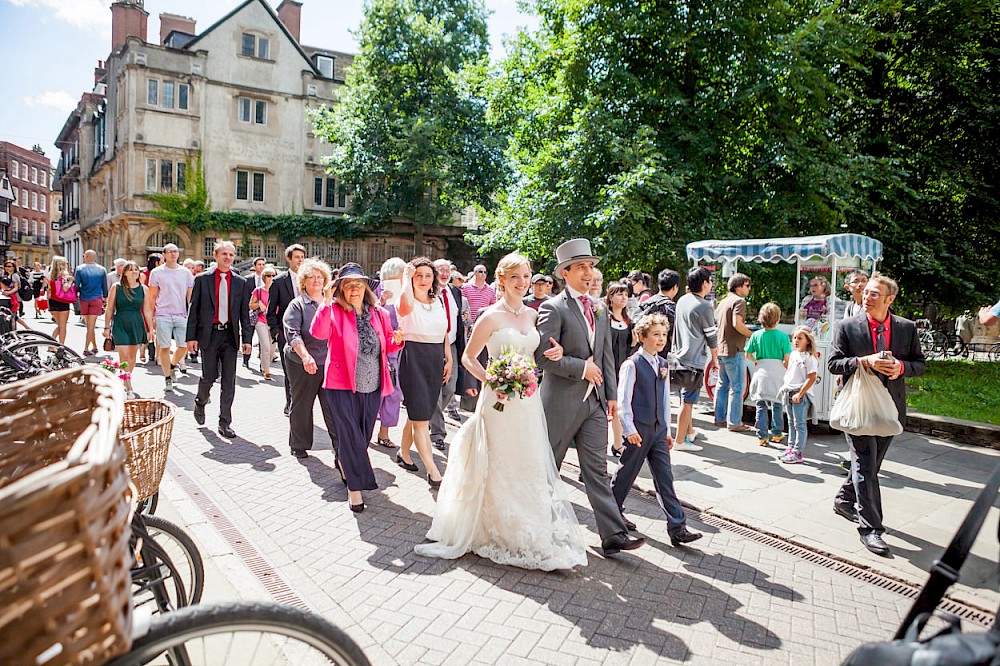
654,451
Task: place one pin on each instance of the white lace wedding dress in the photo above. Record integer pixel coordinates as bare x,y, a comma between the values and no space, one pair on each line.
501,497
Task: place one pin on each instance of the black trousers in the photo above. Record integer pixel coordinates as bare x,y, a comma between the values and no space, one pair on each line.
218,357
354,419
861,489
305,389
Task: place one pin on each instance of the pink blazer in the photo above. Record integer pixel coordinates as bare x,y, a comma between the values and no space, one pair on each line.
340,328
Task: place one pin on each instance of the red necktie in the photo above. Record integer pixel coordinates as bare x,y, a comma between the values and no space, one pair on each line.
588,309
447,308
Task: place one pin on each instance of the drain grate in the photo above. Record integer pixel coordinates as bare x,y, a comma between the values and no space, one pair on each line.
254,560
879,579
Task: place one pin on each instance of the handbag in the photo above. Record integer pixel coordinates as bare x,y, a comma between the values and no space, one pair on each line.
64,292
109,344
949,646
864,407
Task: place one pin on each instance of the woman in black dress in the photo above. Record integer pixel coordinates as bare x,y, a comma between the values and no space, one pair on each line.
424,363
622,346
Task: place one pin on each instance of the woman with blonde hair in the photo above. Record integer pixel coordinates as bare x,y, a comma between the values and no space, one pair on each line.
304,356
502,497
61,288
258,312
128,316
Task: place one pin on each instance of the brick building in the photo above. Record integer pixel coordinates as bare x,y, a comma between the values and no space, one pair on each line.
29,230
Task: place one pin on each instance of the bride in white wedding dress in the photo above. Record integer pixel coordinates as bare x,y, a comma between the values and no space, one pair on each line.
502,497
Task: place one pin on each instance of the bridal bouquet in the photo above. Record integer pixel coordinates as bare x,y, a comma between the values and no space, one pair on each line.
511,375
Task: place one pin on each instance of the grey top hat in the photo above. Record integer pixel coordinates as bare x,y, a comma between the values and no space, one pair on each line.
573,251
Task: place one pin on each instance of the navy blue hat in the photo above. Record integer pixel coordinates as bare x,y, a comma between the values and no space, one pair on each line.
352,271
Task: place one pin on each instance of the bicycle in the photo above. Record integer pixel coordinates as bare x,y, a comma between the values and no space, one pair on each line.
76,608
21,359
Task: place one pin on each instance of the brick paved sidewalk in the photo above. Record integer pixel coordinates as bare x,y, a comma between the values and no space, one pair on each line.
727,600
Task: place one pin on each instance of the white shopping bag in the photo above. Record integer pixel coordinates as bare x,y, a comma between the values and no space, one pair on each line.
864,407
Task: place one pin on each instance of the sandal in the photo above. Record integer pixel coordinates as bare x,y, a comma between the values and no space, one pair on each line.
387,443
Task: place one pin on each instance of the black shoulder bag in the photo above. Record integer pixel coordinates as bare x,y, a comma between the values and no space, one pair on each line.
948,647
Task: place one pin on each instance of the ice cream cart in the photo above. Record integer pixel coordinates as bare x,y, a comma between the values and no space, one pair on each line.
818,260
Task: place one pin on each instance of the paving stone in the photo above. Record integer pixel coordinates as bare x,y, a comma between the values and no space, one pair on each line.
724,600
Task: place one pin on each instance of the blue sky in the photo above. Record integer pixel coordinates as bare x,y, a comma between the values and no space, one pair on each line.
50,48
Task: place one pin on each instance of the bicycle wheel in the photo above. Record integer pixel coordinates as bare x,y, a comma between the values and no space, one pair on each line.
183,553
155,577
994,353
23,336
250,633
39,356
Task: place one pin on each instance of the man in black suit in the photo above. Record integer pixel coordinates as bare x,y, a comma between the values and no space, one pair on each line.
284,289
219,318
451,296
879,341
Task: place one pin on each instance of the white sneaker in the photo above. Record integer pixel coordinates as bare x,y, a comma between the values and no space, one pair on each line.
170,385
687,445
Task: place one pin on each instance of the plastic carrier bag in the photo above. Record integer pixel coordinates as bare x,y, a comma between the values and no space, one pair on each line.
864,407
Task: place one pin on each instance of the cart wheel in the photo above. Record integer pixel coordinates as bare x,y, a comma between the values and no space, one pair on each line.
712,380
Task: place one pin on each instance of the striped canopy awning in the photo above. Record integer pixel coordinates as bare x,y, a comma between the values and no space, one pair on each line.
785,249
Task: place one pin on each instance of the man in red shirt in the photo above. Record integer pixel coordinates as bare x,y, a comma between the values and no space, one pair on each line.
219,319
880,342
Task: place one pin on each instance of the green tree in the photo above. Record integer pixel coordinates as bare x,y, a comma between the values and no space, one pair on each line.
646,125
409,131
926,107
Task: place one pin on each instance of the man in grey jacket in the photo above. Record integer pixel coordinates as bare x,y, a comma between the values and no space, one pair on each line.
695,339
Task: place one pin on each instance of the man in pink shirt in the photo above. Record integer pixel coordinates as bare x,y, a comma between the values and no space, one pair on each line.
480,294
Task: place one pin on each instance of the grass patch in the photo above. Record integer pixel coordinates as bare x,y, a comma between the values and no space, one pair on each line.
959,389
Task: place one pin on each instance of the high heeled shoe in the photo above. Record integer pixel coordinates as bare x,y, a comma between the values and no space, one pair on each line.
357,508
409,467
432,483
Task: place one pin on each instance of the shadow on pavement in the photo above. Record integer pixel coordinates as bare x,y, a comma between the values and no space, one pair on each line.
239,451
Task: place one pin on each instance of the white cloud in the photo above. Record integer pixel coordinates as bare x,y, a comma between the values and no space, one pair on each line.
90,15
60,100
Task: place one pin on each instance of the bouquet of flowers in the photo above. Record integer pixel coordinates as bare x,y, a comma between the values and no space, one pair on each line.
511,375
120,369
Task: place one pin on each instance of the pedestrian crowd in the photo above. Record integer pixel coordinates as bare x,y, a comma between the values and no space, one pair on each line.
365,346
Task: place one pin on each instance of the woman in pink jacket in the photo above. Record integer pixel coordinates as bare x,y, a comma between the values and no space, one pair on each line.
360,336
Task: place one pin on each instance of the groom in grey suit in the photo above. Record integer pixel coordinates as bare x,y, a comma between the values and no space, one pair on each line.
579,391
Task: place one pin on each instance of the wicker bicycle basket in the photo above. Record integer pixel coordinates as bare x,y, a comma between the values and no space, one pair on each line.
65,593
145,433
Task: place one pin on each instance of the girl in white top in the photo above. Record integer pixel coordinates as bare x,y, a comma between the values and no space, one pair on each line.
425,362
797,389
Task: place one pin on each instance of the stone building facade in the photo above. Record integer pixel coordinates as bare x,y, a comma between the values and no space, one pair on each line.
236,97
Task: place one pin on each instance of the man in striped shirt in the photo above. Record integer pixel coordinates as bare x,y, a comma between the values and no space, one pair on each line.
480,294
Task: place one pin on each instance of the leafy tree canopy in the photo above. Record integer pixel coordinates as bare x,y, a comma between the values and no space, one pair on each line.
647,125
409,131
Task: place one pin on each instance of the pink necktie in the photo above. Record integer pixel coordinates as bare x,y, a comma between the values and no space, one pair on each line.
588,309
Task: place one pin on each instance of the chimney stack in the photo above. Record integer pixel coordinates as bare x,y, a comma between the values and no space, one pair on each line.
171,22
128,19
99,72
290,13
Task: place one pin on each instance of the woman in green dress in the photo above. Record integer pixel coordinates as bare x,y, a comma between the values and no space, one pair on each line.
129,306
